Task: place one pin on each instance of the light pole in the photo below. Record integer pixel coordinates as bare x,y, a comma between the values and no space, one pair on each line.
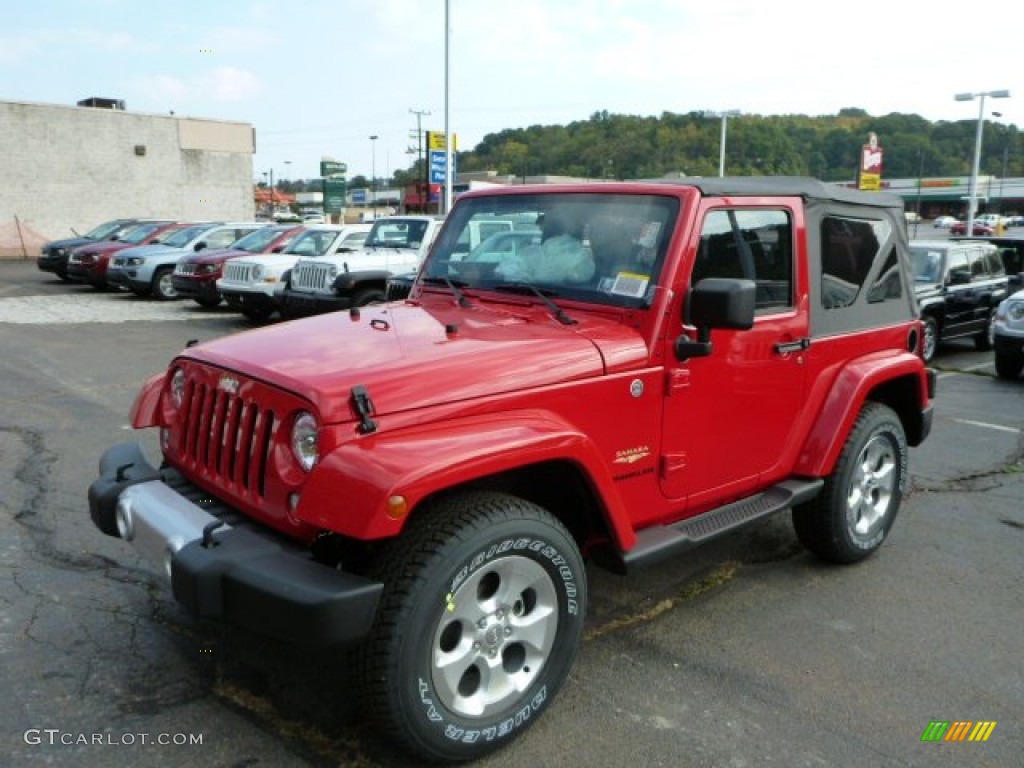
373,173
972,201
725,115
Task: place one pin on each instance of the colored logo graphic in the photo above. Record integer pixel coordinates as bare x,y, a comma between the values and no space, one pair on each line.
958,730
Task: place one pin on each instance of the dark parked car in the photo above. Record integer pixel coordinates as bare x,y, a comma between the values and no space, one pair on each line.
54,255
196,274
88,263
959,284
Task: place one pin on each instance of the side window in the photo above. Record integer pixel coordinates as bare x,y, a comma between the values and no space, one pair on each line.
752,244
848,249
887,285
994,262
959,269
977,263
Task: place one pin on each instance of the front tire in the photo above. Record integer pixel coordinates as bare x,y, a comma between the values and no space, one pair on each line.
368,296
1009,364
163,285
855,510
478,626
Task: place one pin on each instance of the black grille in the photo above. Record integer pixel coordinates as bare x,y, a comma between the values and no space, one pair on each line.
399,287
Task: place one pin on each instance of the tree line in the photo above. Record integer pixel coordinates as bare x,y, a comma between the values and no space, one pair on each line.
611,146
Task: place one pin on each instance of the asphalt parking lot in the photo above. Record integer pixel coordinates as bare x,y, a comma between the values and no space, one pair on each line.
747,652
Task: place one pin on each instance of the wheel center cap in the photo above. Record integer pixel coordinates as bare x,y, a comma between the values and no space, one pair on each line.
493,635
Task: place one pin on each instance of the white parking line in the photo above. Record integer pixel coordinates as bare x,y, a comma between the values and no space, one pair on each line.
985,425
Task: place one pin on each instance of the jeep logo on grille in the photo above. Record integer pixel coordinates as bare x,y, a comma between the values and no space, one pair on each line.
228,384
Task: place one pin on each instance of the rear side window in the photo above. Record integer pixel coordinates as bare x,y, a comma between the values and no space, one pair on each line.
848,250
752,244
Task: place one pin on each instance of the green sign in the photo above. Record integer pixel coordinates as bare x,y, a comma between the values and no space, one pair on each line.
332,168
334,194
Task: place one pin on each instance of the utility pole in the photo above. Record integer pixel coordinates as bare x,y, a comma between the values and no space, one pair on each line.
424,189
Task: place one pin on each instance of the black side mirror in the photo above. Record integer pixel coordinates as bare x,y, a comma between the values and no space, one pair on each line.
715,302
199,246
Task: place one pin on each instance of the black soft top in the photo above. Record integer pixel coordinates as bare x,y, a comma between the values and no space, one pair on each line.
785,186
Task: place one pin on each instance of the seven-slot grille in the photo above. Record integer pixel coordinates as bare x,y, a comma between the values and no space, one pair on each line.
225,437
308,276
238,272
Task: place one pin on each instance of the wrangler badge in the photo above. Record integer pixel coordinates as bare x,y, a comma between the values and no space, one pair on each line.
632,455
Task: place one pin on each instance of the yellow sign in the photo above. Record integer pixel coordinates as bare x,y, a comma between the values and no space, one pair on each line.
870,181
436,140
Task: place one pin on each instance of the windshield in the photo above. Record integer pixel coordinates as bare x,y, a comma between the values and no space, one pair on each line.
104,231
598,247
259,240
140,233
315,242
926,265
183,237
397,233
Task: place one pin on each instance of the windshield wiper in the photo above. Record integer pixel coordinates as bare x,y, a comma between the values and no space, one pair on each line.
543,295
455,285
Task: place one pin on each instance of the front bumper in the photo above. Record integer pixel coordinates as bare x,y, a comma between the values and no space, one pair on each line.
195,288
300,303
249,299
238,572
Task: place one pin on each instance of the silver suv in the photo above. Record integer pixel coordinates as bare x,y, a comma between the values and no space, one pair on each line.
1008,331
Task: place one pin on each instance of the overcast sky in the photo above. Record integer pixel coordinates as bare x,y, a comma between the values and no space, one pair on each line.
319,77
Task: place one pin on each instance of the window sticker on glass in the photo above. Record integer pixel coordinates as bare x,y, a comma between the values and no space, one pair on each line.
627,284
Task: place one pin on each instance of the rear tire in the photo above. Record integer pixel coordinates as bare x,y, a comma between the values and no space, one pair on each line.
478,626
855,510
929,337
985,340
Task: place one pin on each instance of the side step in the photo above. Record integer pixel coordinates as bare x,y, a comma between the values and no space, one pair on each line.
660,542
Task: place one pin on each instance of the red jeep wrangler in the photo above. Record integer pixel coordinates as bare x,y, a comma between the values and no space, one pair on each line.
648,366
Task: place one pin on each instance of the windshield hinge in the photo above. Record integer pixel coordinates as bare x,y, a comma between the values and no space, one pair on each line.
364,409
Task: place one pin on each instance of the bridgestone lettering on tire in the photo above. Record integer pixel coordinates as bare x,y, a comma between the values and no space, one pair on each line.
853,514
478,627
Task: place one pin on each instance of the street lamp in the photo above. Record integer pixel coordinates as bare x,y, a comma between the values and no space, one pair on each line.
373,173
725,115
973,198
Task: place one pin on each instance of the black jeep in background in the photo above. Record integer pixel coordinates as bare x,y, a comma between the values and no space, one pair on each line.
959,284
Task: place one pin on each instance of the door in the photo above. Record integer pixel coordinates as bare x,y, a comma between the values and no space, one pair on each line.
729,417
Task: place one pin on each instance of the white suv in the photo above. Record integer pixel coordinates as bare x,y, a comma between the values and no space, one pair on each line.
253,286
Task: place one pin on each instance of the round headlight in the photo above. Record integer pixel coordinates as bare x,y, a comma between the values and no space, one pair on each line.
257,272
332,273
178,388
1015,310
305,439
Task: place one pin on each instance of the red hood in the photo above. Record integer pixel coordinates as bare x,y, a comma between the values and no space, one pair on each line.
103,248
405,358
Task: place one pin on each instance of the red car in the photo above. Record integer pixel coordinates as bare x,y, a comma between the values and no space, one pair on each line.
89,262
980,230
196,275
